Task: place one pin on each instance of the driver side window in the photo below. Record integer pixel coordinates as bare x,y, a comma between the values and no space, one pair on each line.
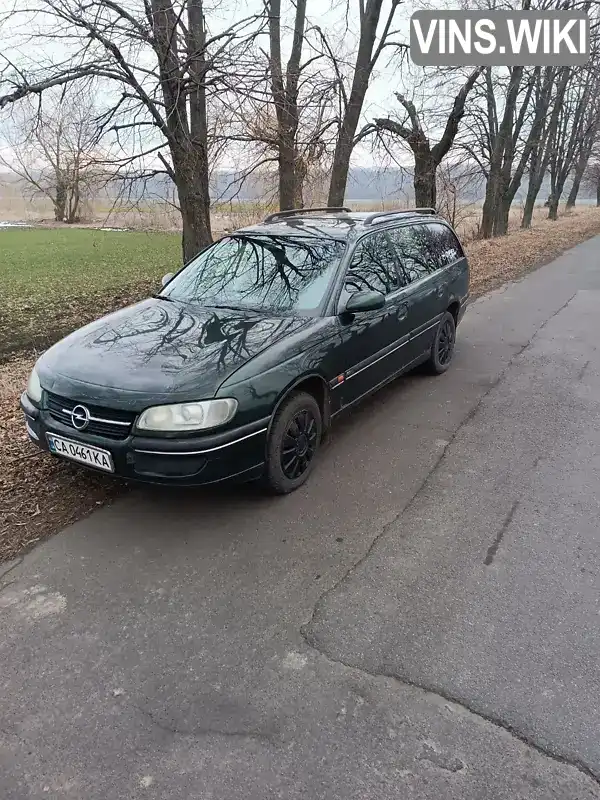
373,268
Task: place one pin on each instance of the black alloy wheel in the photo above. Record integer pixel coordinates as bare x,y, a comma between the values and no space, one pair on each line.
293,443
442,348
299,444
446,342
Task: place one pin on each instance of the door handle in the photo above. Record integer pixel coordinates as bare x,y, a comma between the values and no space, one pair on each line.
441,291
402,312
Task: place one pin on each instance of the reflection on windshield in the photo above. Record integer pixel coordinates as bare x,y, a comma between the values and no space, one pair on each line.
279,273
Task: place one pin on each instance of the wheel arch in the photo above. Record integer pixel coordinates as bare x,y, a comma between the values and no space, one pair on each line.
454,309
316,385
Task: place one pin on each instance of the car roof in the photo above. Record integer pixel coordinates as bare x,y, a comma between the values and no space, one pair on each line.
340,224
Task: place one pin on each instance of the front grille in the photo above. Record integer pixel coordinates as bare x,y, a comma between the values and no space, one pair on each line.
107,422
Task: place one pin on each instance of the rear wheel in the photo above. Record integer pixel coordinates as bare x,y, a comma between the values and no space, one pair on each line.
442,348
293,443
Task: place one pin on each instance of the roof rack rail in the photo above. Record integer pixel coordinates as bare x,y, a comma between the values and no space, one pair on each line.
292,212
372,217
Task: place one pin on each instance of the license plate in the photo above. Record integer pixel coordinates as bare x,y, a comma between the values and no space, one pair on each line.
84,453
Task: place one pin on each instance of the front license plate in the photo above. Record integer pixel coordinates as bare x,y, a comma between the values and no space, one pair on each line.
93,456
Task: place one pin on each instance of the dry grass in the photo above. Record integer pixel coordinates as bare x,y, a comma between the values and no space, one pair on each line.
39,495
496,261
155,215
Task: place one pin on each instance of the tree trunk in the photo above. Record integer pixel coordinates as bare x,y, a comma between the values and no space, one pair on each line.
572,198
195,215
185,122
341,157
537,171
503,200
60,202
196,204
580,169
490,202
194,198
301,172
363,67
285,98
73,215
502,216
528,207
424,180
553,206
288,190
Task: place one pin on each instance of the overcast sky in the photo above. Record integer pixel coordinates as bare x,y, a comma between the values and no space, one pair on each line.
340,26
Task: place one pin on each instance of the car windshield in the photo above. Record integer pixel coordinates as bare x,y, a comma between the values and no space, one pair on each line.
283,274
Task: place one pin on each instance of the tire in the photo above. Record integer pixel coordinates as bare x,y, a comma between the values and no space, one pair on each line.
442,348
293,443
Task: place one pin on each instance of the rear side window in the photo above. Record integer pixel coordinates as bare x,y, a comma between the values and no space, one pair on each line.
444,244
423,249
373,268
413,244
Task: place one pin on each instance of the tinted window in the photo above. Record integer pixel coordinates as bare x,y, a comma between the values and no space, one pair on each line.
373,267
280,273
444,244
414,246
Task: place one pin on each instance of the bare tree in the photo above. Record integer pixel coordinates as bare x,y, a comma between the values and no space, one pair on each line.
573,128
549,99
164,60
285,98
287,117
503,133
427,157
54,149
585,147
370,47
591,177
457,183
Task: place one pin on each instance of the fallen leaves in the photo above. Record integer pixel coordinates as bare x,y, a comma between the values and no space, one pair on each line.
39,495
495,261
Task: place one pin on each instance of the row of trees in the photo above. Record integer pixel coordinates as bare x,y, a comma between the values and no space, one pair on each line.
178,83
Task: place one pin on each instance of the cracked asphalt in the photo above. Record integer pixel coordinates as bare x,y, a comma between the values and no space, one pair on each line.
422,620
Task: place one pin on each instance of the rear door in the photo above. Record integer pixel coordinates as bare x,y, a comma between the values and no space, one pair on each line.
372,342
425,293
445,248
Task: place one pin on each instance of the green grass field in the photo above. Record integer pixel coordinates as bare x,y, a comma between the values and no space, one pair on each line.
54,280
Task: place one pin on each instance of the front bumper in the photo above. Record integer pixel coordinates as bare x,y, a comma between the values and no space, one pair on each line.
237,454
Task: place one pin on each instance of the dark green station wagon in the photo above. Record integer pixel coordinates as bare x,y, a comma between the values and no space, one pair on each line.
238,366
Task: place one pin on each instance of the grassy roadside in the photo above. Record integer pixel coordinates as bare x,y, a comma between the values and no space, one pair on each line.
57,280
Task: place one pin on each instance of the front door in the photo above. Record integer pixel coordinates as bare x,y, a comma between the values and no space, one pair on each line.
373,342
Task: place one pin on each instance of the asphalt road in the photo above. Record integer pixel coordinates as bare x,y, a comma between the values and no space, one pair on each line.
422,620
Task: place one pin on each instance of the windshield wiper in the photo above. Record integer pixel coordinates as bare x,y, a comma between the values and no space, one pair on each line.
235,308
163,297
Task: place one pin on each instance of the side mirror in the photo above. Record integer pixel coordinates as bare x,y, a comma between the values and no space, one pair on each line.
166,278
364,301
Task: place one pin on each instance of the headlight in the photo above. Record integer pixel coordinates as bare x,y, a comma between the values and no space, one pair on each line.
34,390
188,416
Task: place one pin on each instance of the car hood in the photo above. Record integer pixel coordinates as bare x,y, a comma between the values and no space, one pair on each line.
159,351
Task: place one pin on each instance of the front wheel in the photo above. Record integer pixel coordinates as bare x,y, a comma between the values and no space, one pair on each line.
442,348
293,443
